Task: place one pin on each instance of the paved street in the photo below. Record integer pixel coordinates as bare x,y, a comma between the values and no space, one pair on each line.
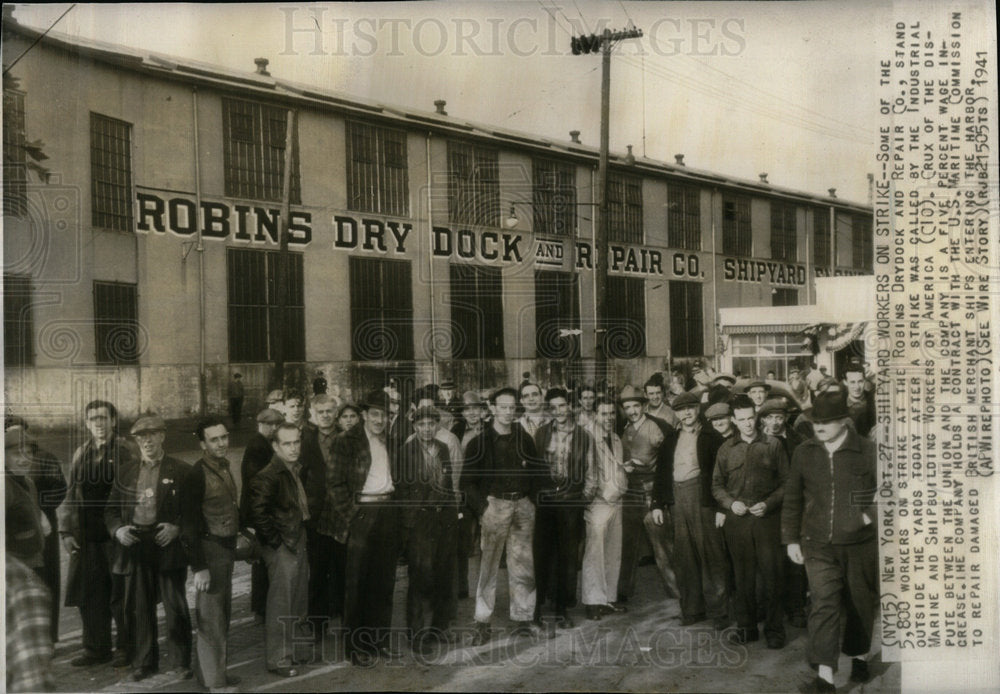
644,650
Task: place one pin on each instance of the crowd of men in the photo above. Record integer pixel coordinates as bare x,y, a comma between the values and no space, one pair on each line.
754,509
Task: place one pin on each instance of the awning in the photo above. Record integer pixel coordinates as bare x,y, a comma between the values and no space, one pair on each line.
844,334
764,329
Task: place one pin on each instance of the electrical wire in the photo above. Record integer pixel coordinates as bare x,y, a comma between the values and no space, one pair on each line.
40,37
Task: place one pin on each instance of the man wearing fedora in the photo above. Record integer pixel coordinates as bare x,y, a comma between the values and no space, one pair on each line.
685,483
748,483
361,513
144,516
834,475
211,523
642,440
278,511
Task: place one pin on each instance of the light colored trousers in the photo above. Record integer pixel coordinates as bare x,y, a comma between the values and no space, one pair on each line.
602,558
511,523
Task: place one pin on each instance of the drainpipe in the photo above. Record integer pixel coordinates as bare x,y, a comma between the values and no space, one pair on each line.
200,247
430,257
715,284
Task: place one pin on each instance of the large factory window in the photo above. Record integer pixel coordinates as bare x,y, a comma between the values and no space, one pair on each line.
783,234
376,169
737,236
557,311
476,312
624,208
821,237
116,323
755,355
17,324
687,334
253,306
473,184
254,151
861,242
381,310
15,169
111,172
554,198
626,309
684,218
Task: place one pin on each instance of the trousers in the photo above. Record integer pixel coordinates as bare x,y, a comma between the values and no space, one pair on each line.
370,577
431,566
699,554
143,587
213,610
841,576
510,523
602,556
556,554
104,601
287,600
326,577
755,546
636,519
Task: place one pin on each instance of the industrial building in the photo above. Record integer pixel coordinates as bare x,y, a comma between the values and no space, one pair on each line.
141,214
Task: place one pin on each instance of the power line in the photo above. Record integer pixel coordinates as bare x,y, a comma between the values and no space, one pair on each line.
40,37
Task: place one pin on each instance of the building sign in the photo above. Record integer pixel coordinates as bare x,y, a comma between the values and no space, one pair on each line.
159,214
839,272
750,270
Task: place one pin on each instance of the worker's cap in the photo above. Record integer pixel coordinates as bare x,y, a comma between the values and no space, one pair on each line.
148,425
270,416
718,411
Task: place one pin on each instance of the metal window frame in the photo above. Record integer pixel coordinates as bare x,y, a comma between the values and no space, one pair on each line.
253,166
15,159
475,298
474,187
106,182
557,307
119,317
18,321
687,319
377,169
553,194
381,325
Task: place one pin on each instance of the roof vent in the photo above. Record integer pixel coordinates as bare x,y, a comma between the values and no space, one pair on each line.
832,192
629,158
439,106
679,158
763,177
261,64
574,136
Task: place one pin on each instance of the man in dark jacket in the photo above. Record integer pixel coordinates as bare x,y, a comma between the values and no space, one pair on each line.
834,476
699,549
860,402
642,440
279,509
144,516
498,479
361,512
256,456
211,523
430,524
91,585
24,457
748,483
567,451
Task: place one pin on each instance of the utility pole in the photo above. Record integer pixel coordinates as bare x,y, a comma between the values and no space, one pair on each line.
281,270
589,44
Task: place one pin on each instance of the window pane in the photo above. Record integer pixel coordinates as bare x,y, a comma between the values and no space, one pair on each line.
111,173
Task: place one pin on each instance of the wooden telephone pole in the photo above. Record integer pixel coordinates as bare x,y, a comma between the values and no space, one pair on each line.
591,44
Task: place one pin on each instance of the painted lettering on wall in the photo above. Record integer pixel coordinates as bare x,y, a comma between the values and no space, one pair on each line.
750,270
219,220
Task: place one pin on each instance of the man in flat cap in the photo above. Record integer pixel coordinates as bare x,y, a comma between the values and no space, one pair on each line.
91,585
144,516
720,416
362,488
834,475
256,456
642,440
430,524
748,483
685,483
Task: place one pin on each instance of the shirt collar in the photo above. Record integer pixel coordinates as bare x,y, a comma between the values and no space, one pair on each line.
152,463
